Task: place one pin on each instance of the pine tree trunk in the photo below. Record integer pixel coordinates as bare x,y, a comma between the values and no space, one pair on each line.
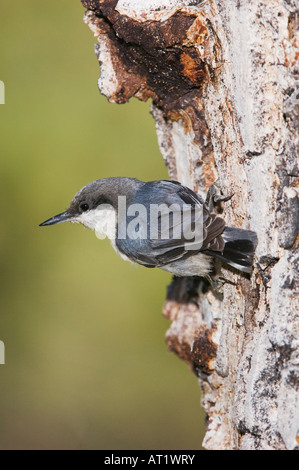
222,76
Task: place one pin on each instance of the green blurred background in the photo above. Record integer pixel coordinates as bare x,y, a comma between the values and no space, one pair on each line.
87,366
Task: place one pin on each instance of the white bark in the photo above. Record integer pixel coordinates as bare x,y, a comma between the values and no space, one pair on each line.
223,77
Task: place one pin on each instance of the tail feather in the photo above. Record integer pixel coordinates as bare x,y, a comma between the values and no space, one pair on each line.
239,248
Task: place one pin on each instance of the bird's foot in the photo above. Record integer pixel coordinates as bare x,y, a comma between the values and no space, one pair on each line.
217,283
215,196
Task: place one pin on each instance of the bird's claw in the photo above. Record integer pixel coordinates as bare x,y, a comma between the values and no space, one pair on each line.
215,196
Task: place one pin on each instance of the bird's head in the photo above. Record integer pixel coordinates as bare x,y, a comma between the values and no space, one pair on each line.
95,205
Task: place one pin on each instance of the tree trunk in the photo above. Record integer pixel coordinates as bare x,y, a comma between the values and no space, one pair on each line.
222,78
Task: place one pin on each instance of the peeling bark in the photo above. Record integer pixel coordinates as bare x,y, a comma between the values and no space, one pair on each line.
223,78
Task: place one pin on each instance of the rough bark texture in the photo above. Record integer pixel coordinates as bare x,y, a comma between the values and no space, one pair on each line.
222,76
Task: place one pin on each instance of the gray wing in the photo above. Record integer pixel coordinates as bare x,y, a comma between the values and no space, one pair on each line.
165,242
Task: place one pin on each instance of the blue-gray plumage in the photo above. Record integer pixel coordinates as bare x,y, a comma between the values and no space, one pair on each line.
97,206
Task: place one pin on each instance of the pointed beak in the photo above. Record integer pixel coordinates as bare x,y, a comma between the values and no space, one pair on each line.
57,219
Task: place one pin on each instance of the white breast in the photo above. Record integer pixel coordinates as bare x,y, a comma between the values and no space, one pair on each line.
102,221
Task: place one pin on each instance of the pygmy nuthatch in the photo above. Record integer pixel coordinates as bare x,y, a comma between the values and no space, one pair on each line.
159,224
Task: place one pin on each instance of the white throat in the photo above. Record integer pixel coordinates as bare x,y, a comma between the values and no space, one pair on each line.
101,220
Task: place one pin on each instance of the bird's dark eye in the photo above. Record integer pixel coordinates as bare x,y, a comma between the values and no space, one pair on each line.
83,206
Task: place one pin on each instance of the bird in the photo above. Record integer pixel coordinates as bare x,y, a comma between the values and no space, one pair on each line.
161,224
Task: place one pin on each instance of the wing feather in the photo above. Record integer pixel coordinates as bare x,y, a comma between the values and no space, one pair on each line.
161,251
